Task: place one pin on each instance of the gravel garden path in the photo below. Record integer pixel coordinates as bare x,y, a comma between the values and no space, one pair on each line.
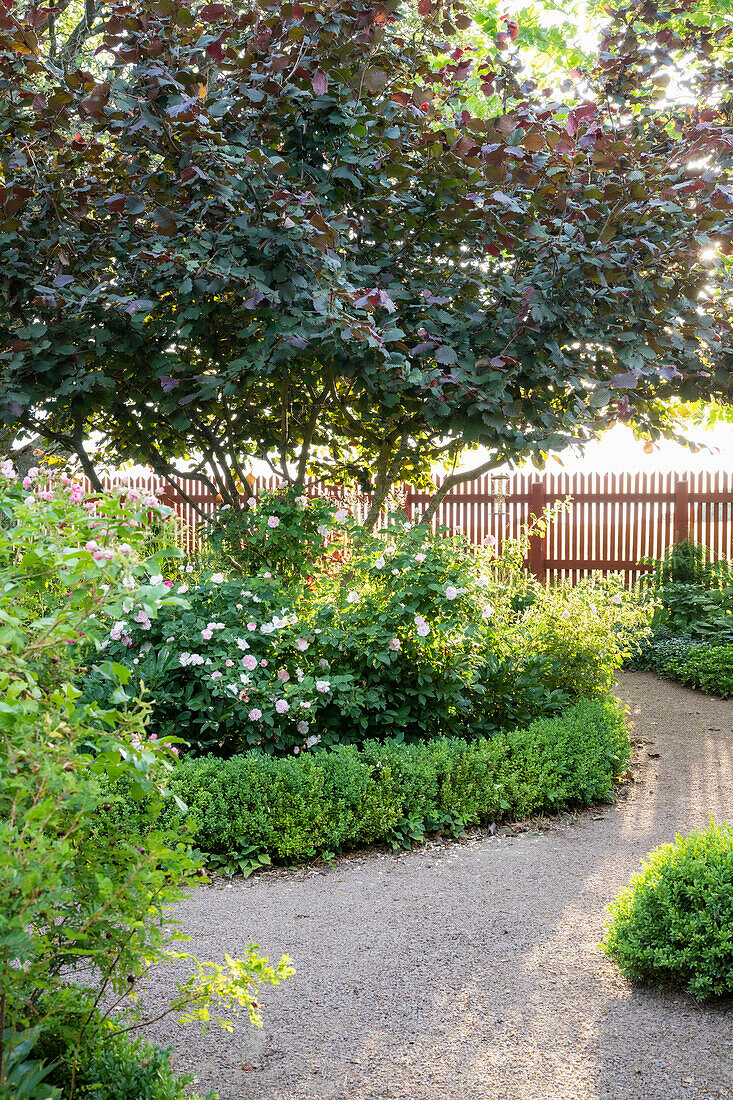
469,970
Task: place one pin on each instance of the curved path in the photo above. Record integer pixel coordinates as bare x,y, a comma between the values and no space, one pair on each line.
470,971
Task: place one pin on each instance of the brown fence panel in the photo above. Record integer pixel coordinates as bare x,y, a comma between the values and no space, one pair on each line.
613,521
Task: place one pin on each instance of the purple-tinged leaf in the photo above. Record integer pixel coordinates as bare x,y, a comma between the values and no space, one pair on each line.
627,381
139,303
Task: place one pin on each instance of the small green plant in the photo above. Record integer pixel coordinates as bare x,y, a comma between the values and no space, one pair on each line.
673,923
689,562
245,861
109,1063
707,667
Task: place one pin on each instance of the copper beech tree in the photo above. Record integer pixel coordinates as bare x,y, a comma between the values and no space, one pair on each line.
278,232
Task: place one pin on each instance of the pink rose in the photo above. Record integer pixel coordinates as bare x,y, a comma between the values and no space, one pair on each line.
255,714
273,521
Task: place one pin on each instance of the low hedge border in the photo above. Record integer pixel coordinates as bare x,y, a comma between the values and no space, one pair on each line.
249,809
689,660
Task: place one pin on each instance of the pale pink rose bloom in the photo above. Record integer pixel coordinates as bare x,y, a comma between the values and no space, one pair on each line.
394,645
249,662
420,557
282,706
273,521
301,644
255,714
251,626
451,592
206,634
228,663
216,675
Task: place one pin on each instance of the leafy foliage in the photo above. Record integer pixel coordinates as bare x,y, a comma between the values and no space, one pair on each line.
409,636
282,531
83,912
240,237
109,1064
672,923
297,808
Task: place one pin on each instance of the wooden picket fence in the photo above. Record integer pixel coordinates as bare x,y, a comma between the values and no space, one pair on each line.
611,523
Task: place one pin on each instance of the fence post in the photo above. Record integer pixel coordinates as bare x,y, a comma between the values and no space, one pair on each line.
681,511
537,542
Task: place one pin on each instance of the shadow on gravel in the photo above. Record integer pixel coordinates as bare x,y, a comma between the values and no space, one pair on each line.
472,972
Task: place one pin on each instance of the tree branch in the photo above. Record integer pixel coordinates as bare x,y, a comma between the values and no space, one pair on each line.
456,479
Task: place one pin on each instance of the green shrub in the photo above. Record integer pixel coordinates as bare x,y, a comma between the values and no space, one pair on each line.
298,807
693,592
579,634
662,651
688,660
673,922
413,638
708,667
108,1064
84,913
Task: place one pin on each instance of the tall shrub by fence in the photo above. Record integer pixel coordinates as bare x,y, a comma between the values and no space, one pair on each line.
612,522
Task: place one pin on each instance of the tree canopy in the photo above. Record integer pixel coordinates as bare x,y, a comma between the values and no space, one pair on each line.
334,236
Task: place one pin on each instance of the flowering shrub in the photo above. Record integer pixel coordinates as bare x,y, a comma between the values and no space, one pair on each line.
401,643
84,910
283,531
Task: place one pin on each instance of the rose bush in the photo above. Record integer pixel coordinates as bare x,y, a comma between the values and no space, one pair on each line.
282,531
412,637
84,910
